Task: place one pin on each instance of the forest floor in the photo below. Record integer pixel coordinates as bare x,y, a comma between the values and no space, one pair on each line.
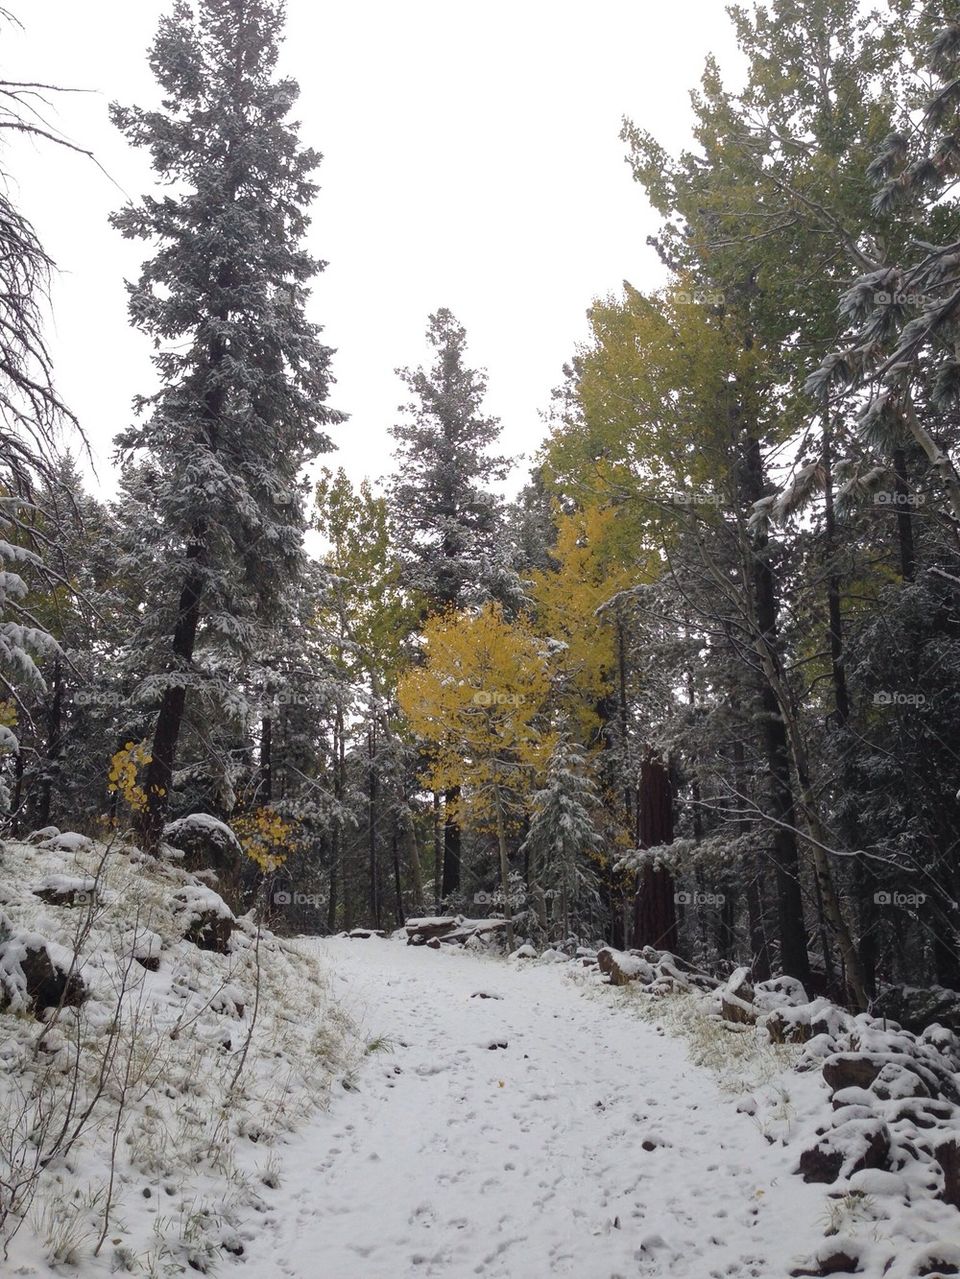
547,1129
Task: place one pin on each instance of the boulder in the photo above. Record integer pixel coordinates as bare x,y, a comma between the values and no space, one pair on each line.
206,919
620,968
68,890
419,931
208,844
948,1157
915,1009
851,1070
846,1149
32,978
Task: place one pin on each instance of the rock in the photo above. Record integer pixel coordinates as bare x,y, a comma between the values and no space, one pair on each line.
620,968
42,835
780,992
68,890
209,844
419,931
846,1149
948,1157
850,1070
834,1262
523,952
916,1009
68,842
896,1082
30,978
207,920
367,932
785,1030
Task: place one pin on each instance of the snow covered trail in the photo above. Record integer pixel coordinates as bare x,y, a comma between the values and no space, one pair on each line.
584,1144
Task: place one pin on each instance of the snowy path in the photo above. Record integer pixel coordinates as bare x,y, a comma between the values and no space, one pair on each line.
588,1146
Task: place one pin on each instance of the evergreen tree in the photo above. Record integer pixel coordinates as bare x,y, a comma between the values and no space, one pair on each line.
561,843
448,518
243,375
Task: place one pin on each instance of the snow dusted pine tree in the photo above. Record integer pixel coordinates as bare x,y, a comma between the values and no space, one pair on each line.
447,518
244,376
449,523
561,837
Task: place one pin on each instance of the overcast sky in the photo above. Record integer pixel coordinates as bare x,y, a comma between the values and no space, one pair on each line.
471,160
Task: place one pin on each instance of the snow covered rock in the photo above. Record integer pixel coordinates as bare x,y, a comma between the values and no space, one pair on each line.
34,974
209,844
68,842
948,1157
67,890
419,931
205,917
845,1150
915,1009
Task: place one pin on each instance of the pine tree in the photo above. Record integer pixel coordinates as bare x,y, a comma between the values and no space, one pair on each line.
244,377
448,517
562,837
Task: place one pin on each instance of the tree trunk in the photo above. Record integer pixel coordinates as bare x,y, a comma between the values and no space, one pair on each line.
159,774
54,741
372,825
504,871
266,760
655,915
398,889
451,844
794,959
908,560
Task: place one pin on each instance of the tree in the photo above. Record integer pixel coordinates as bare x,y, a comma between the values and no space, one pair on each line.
563,841
476,702
244,377
446,513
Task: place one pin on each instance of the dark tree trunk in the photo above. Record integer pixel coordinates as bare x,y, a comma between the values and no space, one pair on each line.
397,883
908,560
372,824
841,696
759,947
451,844
54,742
166,735
437,852
794,959
336,834
655,915
266,759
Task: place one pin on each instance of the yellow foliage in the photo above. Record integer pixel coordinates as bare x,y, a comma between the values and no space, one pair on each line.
122,778
8,713
589,573
477,699
265,837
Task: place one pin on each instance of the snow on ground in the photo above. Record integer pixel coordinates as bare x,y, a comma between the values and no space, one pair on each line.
543,1130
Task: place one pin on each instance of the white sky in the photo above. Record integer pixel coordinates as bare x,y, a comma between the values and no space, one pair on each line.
471,160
